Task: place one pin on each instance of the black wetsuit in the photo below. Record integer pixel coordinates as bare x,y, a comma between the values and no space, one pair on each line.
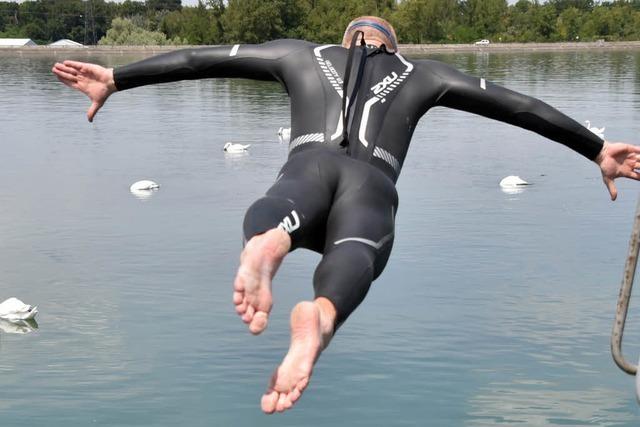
341,201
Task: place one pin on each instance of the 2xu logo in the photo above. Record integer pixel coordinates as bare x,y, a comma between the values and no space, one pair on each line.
290,224
384,83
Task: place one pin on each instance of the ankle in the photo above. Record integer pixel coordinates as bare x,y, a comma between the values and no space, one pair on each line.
328,316
284,239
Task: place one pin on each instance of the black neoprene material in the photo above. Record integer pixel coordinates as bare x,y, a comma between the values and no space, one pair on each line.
343,204
340,207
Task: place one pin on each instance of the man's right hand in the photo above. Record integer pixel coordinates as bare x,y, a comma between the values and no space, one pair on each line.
93,80
618,160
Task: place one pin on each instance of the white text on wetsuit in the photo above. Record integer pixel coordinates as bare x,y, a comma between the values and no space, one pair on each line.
385,82
288,225
333,71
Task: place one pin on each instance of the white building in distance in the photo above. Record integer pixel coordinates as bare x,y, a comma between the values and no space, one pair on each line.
66,43
16,42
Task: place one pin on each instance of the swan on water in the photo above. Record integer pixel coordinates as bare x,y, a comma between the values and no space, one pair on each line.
284,134
230,147
14,309
512,181
597,131
143,185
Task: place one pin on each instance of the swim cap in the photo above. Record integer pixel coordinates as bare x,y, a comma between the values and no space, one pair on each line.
374,28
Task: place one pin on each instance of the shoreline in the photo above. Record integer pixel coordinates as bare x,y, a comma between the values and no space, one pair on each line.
406,49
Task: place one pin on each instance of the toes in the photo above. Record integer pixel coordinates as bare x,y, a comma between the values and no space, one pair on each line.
302,384
238,297
259,322
238,284
269,401
241,307
288,404
295,395
248,315
281,405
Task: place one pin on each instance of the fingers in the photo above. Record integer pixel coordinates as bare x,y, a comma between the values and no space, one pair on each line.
611,187
66,69
633,175
95,106
79,66
67,82
65,73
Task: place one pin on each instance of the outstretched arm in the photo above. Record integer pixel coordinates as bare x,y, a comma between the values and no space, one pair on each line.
475,95
258,62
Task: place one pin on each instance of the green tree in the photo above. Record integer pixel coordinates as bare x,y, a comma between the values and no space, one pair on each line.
529,21
8,15
196,25
124,32
421,21
562,5
617,22
568,24
253,21
130,8
486,16
170,5
294,18
328,19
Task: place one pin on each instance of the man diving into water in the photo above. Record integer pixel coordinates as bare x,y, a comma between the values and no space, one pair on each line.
353,111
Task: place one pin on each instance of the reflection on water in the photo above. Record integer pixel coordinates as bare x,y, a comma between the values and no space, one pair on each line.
143,194
512,190
541,403
18,326
495,308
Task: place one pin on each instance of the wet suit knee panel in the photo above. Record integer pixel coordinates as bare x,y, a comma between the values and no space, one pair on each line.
344,276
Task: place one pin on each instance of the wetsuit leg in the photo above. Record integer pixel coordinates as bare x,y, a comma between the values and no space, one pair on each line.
338,206
359,238
299,202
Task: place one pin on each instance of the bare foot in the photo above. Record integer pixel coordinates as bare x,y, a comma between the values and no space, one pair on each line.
259,262
310,334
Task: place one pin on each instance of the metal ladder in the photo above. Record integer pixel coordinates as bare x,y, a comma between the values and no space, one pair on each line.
623,303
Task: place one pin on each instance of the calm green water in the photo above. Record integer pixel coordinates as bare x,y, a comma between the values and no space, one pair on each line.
495,308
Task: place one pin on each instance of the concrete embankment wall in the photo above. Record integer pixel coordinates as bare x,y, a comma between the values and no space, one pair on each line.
421,49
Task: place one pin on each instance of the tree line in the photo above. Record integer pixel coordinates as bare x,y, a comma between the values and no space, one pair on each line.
322,21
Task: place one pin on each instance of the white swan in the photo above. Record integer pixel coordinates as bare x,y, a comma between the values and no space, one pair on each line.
512,181
284,134
597,131
230,147
143,185
14,309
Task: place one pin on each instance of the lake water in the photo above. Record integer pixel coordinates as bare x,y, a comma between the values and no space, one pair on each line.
495,308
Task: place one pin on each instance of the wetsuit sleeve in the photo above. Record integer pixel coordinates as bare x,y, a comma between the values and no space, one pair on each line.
463,92
258,62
